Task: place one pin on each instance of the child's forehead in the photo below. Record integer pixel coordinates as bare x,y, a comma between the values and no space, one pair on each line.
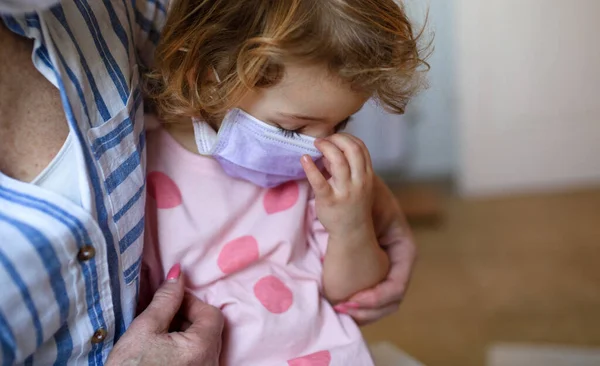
315,75
314,88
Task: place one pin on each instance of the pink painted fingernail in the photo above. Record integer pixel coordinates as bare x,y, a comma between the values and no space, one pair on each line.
174,273
352,305
341,309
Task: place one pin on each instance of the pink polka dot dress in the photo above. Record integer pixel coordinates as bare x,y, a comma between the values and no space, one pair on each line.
252,252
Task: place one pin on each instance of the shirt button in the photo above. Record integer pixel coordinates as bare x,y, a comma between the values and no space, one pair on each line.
99,336
86,253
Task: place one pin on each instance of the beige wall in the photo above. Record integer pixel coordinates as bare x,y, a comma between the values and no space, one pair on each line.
528,88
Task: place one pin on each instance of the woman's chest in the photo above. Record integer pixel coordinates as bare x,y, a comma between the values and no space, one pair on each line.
33,127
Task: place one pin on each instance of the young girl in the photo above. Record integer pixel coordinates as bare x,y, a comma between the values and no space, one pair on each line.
252,95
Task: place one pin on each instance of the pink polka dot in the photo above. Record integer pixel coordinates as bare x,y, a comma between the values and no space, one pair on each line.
163,190
281,198
322,358
238,254
273,294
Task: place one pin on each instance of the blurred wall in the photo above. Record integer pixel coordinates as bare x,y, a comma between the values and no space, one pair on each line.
384,134
528,85
431,117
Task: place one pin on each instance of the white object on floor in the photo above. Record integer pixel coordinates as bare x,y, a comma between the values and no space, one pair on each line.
502,354
386,354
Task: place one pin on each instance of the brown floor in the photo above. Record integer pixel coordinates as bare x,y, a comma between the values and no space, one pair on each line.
518,270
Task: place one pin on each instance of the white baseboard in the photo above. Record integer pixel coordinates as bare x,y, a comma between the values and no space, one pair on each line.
541,355
386,354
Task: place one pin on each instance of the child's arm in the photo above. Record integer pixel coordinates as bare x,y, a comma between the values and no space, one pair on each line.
354,260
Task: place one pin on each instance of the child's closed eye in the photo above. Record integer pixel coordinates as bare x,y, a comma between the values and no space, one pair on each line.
289,133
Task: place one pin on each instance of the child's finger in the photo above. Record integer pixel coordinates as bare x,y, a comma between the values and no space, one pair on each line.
316,179
365,150
327,166
338,164
353,153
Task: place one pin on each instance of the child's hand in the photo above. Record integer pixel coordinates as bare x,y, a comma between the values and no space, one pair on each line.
344,202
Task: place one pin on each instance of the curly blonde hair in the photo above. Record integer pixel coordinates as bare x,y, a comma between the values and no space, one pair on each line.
369,44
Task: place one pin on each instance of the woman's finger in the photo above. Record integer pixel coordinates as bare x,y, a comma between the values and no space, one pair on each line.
204,330
202,319
165,304
179,324
366,316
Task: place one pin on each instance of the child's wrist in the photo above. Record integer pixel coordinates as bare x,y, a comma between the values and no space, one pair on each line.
358,235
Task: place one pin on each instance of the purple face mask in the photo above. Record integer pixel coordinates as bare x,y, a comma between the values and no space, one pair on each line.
252,150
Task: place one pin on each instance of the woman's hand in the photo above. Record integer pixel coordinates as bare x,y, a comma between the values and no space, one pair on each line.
148,340
395,237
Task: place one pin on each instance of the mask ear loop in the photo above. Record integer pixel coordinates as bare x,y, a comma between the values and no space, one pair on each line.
216,74
185,49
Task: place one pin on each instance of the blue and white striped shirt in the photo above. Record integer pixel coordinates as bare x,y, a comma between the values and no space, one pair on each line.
69,273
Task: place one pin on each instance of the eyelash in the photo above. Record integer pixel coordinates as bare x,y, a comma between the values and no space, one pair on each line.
342,125
289,133
295,133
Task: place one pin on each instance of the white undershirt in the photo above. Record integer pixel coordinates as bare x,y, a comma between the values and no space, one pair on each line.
61,175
